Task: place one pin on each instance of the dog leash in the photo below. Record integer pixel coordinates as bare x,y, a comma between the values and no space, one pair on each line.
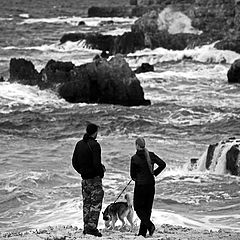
123,190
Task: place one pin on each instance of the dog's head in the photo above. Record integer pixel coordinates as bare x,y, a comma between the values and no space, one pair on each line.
106,214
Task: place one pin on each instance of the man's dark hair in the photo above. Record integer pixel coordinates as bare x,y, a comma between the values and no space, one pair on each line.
91,128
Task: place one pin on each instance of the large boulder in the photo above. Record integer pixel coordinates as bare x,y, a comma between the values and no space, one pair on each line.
100,81
23,71
104,81
55,73
233,73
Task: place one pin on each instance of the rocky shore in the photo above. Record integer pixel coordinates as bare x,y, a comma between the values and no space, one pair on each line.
164,232
169,24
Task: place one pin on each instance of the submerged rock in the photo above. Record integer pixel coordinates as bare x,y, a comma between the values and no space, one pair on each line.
145,67
100,81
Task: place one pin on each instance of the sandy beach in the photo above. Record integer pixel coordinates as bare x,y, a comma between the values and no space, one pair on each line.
163,232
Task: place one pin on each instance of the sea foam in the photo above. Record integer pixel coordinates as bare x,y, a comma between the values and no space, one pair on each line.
205,54
74,21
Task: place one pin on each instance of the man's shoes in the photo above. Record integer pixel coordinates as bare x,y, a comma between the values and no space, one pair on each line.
152,230
93,232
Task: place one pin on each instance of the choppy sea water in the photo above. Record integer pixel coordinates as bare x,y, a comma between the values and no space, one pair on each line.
192,106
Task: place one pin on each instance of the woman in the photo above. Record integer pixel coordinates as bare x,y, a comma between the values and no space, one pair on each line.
143,173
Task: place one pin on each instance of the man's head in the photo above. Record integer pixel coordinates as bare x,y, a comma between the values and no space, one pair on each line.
92,130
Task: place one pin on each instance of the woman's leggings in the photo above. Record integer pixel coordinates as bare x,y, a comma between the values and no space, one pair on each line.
143,202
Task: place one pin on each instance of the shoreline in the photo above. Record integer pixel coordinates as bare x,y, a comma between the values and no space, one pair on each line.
163,232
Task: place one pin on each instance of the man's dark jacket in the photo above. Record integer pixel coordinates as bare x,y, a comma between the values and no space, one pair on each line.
139,169
86,158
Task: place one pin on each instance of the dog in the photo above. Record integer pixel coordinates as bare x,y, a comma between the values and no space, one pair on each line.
119,210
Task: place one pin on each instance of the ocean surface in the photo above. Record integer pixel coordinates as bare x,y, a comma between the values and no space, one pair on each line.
192,106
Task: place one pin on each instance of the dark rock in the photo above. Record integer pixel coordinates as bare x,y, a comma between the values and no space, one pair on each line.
73,37
96,57
165,40
119,11
133,2
233,73
232,160
105,54
93,40
211,149
100,81
129,42
126,43
147,23
56,72
101,42
145,67
2,79
81,23
23,71
229,44
138,11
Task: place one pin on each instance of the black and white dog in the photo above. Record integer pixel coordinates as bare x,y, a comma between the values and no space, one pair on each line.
119,210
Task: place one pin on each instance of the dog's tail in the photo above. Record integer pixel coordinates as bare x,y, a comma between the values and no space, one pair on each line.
129,199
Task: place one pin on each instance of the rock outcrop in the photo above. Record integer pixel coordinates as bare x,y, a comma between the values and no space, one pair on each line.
101,81
233,74
178,24
220,158
126,43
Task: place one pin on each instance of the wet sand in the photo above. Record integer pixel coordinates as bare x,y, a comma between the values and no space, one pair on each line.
164,232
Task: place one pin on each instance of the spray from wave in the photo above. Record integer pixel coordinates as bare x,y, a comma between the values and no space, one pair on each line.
175,22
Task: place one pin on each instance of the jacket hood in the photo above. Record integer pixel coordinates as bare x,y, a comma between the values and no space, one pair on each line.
87,137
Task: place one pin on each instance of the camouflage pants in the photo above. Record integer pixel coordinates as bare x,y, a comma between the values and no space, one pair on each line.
92,193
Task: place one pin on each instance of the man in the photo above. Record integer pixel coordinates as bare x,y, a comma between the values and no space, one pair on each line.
86,161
